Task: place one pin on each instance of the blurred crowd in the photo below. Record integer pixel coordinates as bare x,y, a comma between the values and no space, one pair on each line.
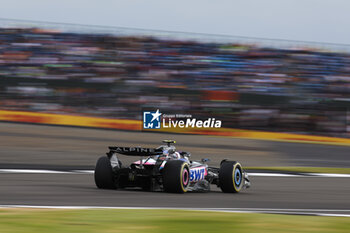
246,86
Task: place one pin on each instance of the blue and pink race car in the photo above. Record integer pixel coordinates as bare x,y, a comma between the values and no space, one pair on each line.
165,169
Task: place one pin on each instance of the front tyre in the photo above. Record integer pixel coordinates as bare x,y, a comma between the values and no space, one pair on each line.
104,177
176,176
231,179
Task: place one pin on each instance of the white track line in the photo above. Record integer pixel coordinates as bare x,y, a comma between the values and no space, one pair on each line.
274,174
317,212
33,171
331,175
84,171
261,174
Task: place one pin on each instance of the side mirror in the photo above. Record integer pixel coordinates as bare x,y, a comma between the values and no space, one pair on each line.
205,160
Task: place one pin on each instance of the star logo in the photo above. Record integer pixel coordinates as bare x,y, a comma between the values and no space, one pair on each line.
156,115
151,120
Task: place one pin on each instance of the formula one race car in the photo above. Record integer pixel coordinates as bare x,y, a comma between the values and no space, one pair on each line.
165,169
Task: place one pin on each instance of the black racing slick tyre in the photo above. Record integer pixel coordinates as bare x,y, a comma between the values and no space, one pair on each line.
176,176
104,177
231,178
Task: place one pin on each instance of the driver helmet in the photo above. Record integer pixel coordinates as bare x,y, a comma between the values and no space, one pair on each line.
171,153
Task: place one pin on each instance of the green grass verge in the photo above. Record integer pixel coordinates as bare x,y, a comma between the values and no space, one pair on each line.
303,169
41,220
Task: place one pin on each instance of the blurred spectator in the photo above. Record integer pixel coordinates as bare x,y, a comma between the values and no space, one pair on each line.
246,86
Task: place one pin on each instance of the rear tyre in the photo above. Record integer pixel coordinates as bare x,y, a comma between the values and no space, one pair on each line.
104,177
176,176
231,178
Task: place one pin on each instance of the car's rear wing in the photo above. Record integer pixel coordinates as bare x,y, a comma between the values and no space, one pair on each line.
134,151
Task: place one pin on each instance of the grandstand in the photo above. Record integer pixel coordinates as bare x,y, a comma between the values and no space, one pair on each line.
248,83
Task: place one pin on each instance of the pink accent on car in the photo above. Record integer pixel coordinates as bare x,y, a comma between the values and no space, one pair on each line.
185,177
149,162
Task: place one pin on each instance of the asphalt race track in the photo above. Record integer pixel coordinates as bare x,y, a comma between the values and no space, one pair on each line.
49,147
